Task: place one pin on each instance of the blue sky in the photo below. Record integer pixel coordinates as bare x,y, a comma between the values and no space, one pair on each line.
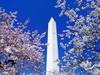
39,12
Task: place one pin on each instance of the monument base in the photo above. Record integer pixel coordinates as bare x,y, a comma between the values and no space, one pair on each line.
52,73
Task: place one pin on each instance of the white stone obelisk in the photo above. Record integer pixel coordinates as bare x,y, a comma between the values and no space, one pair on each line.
52,49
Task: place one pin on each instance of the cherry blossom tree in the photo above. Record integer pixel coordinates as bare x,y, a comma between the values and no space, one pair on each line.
81,38
20,50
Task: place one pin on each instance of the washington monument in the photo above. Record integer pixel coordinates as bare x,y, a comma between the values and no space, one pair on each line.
52,49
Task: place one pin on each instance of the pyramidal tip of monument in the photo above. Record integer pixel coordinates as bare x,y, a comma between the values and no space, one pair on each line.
52,20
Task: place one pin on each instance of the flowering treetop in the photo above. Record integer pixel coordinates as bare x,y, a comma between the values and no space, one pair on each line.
16,45
83,28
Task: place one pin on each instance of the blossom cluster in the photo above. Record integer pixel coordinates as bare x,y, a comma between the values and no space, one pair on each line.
18,46
83,28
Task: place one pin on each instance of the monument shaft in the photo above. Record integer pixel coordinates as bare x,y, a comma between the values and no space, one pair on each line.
52,49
